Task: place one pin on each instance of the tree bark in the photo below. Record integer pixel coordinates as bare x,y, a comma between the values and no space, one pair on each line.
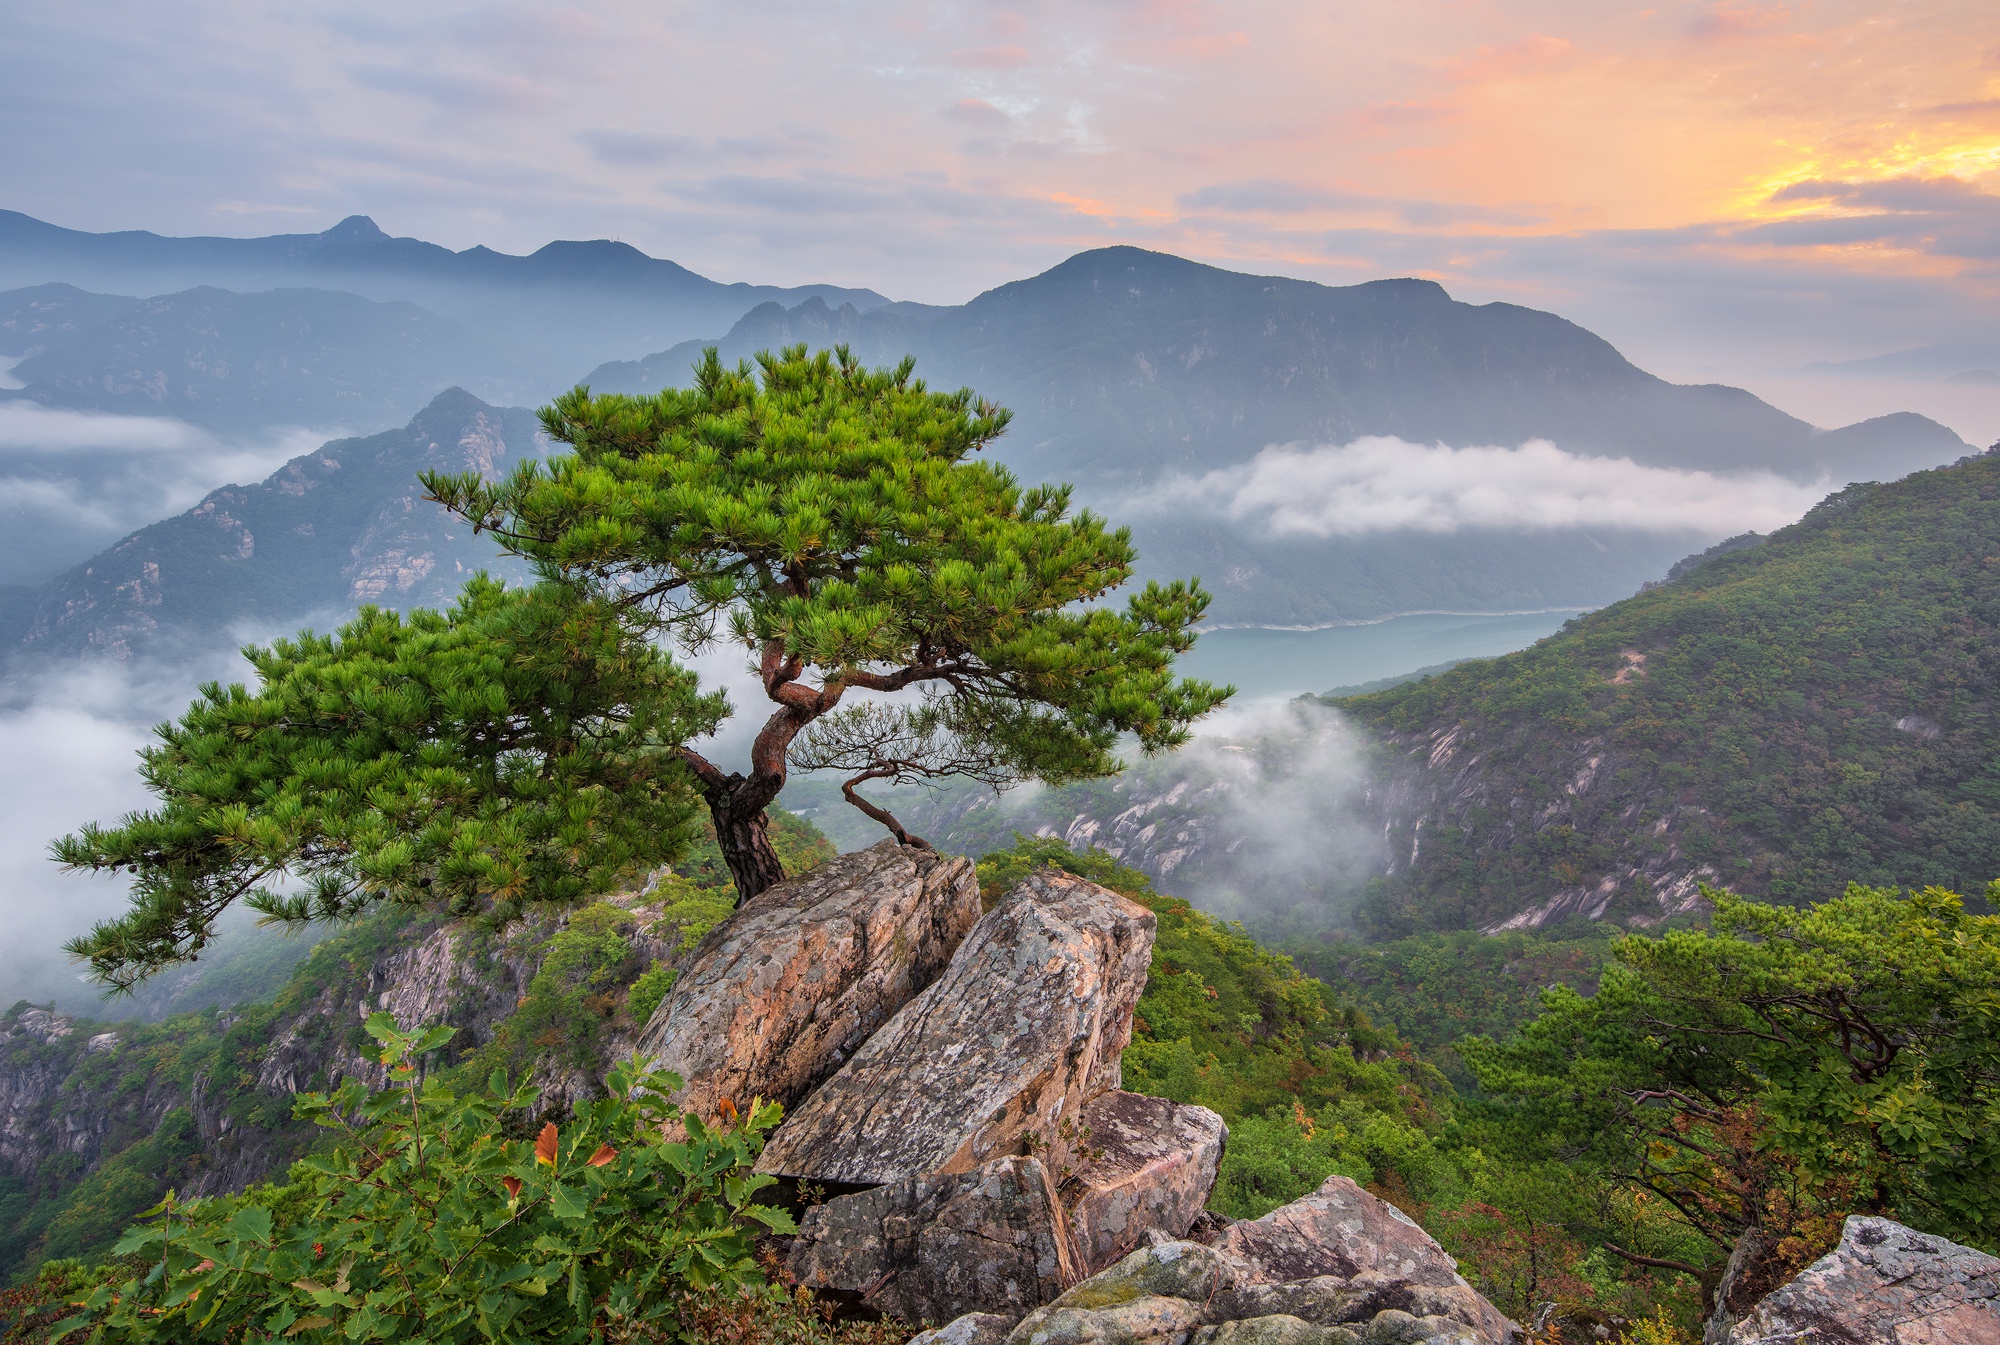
742,830
882,815
736,804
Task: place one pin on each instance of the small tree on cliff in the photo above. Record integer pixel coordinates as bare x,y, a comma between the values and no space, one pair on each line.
532,745
832,519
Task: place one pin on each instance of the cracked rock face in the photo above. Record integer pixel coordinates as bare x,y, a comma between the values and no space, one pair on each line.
1884,1283
1151,1167
1026,1024
931,1249
780,994
1341,1233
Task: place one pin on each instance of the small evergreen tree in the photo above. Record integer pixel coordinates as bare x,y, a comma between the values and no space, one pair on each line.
834,519
533,745
517,749
1782,1070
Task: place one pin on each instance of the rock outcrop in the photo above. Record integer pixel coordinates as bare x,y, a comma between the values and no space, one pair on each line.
1151,1164
780,994
993,1240
1000,1054
1341,1240
1185,1293
1884,1283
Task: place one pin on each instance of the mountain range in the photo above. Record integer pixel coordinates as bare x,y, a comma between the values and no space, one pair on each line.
1150,382
1121,364
239,363
342,525
564,308
1127,369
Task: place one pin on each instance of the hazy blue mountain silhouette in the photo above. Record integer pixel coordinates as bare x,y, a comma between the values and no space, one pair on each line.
570,304
238,362
1123,366
1121,363
342,525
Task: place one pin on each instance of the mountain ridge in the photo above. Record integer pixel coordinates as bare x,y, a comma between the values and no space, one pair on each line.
1338,363
343,525
1782,719
598,297
240,363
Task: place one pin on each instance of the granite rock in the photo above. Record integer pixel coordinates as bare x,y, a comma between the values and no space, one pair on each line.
974,1328
1276,1329
1341,1231
935,1248
997,1057
1884,1283
1392,1326
778,996
1152,1320
1151,1166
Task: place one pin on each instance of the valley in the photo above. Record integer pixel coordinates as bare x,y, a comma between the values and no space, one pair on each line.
1508,705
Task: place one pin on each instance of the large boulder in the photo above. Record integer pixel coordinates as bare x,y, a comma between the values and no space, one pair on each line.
1158,1294
1150,1166
1342,1235
997,1057
1884,1283
778,996
935,1248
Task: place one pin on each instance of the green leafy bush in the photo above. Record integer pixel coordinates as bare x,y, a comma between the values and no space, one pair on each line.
430,1223
1781,1070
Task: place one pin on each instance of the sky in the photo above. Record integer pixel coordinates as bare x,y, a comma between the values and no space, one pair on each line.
1726,191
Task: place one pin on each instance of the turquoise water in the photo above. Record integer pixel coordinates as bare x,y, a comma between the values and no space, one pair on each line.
1291,662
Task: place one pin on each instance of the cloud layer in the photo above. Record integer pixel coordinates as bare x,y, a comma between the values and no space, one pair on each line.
71,482
1382,484
1716,186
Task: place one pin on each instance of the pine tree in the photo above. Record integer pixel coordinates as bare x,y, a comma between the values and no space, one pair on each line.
835,520
533,745
518,749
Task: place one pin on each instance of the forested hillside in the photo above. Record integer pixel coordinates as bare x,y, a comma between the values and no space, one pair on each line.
1784,719
343,525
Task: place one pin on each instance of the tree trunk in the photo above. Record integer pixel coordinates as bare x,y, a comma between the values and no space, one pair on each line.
742,830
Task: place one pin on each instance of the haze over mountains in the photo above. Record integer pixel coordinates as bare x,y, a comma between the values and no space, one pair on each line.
1316,454
1159,386
204,441
566,307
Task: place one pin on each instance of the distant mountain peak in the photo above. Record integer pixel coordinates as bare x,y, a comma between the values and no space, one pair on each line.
355,229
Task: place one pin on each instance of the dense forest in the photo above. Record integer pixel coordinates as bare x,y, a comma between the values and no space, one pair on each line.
1784,718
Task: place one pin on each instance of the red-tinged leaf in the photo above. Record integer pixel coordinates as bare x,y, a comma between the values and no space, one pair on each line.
605,1153
545,1146
513,1185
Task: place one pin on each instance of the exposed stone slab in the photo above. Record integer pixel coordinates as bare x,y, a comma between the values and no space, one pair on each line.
1132,1301
1884,1283
1395,1327
1330,1300
778,996
1025,1025
1154,1320
1343,1232
934,1248
974,1328
1273,1330
1153,1164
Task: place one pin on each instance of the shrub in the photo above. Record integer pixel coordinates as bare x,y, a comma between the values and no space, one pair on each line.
428,1222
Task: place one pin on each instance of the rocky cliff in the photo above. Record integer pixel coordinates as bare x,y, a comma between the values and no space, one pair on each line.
343,525
973,1160
958,1141
97,1119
